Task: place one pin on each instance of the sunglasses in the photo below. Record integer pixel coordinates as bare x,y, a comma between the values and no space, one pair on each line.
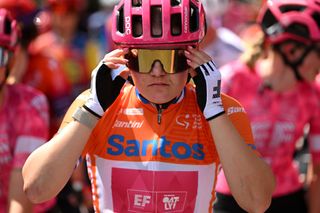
143,60
4,57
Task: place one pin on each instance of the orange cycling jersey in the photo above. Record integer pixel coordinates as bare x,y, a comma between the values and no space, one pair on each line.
141,159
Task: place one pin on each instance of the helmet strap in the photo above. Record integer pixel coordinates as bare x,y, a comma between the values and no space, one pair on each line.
294,65
5,78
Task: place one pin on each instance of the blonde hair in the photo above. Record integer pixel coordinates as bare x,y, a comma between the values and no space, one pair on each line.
254,41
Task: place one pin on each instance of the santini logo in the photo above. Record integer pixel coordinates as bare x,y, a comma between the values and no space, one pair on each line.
127,124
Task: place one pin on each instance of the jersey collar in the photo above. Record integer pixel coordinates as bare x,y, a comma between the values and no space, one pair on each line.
165,105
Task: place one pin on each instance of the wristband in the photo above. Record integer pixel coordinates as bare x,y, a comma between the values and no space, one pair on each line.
85,117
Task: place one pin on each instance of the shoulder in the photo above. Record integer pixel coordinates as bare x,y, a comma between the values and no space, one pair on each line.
28,103
27,107
21,93
78,102
231,105
309,94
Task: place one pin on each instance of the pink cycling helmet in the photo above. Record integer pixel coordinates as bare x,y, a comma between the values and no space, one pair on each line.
296,20
18,7
158,23
8,30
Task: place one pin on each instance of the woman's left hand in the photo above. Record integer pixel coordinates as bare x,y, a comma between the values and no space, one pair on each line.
207,79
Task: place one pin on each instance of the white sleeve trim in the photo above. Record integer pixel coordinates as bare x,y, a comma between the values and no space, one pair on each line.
27,144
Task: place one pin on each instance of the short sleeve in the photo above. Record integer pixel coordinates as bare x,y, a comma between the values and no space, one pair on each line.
31,125
239,119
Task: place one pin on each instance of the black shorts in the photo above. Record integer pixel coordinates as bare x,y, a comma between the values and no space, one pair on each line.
292,203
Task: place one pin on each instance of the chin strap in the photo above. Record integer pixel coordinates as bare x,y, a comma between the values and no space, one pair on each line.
294,65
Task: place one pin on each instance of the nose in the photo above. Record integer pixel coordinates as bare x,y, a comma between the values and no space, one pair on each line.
157,68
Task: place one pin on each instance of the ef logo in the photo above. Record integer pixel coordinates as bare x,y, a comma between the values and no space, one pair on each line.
141,200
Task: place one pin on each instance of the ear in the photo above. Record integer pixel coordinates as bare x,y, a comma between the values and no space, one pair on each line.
291,50
288,48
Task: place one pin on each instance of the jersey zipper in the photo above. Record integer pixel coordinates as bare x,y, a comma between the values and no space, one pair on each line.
159,109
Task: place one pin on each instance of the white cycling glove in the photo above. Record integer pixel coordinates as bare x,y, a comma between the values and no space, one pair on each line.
103,90
208,87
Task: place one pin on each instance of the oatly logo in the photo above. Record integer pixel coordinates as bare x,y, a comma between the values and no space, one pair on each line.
170,202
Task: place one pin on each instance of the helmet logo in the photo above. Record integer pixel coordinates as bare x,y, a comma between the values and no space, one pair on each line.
186,19
127,25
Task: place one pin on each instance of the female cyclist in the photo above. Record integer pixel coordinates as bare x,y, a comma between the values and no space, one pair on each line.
24,120
155,145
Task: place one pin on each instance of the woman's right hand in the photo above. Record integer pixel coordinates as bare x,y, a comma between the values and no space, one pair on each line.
104,90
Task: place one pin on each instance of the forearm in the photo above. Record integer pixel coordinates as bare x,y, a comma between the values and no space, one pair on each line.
250,179
17,200
49,167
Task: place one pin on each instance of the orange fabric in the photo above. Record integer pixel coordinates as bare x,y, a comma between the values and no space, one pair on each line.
239,118
129,132
232,107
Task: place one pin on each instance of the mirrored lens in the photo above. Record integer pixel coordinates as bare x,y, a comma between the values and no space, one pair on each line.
142,60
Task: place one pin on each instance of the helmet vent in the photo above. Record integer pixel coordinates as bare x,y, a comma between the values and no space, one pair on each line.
289,8
175,2
156,21
120,20
176,24
194,18
136,3
268,20
137,26
299,30
316,17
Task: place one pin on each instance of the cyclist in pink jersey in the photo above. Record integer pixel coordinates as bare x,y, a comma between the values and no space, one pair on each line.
275,82
23,125
155,144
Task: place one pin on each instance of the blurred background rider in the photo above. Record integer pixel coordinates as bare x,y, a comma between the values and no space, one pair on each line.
24,124
275,81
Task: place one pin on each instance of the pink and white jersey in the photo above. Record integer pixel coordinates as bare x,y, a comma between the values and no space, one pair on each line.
23,128
277,120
